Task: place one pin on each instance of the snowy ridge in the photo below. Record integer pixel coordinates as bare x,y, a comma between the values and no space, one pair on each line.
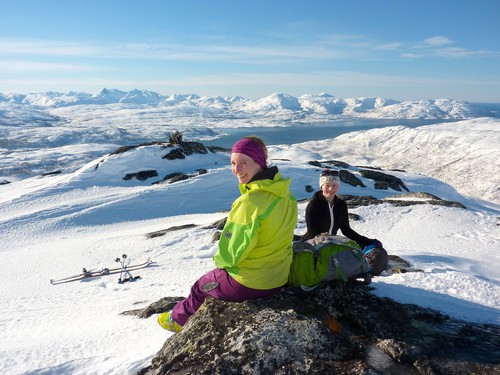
307,107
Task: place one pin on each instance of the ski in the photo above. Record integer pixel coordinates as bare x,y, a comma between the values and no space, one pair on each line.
128,279
103,272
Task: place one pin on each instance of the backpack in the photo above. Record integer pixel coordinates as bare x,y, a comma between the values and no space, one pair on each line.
326,258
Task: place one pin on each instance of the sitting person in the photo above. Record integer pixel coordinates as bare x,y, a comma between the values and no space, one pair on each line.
255,246
326,214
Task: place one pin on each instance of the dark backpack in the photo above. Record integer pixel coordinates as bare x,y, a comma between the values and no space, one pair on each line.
326,258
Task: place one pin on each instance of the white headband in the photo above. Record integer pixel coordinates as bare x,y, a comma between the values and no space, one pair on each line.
329,180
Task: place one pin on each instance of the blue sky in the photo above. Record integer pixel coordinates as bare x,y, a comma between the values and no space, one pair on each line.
403,50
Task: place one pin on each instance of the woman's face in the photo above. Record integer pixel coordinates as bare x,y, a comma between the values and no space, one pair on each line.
244,167
329,190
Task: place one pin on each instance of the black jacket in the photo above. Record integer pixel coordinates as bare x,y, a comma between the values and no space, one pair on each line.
318,219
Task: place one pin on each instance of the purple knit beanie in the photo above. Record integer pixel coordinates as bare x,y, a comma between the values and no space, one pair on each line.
252,149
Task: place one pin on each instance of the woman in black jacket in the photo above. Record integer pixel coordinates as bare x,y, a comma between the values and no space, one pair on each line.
326,213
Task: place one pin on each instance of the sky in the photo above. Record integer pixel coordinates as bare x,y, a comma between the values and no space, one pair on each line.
393,49
54,226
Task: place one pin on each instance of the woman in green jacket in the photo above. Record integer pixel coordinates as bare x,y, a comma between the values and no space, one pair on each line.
255,247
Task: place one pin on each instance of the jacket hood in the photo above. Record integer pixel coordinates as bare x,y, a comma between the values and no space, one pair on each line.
269,180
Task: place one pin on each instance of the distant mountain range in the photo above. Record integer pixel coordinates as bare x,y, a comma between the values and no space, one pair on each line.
308,107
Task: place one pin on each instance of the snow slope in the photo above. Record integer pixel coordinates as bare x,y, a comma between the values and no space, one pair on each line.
465,154
53,226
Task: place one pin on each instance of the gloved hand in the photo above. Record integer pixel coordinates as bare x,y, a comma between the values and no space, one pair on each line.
368,248
375,244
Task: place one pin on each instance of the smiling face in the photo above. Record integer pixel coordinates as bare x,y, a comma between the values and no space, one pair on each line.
244,167
329,190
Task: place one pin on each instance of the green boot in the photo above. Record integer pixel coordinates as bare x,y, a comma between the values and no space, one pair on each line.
166,321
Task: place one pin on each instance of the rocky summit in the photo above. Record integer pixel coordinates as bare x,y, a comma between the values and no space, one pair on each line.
339,329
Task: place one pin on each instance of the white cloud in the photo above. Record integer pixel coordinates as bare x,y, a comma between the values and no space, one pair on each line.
411,55
437,41
456,52
46,48
18,66
389,46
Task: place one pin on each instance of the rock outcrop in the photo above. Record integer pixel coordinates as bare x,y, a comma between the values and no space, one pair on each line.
342,329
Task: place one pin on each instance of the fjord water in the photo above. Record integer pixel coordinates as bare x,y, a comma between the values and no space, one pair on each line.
303,132
312,131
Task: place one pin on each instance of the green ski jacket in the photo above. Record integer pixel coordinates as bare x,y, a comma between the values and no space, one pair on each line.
255,246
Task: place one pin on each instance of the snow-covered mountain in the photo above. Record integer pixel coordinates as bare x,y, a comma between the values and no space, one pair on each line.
308,107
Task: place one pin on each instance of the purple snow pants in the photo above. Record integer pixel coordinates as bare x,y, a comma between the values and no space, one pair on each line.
217,284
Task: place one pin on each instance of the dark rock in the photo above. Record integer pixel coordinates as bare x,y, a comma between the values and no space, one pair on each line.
218,225
190,148
328,164
175,138
216,237
315,163
381,185
340,330
175,154
426,199
142,175
369,167
336,163
353,217
399,265
4,182
218,149
393,182
162,305
171,175
354,201
184,149
350,178
162,232
52,173
123,149
179,177
309,189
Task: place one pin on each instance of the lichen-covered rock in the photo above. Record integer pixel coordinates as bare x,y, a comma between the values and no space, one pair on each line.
341,329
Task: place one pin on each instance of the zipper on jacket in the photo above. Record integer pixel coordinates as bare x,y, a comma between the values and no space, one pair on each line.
331,218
